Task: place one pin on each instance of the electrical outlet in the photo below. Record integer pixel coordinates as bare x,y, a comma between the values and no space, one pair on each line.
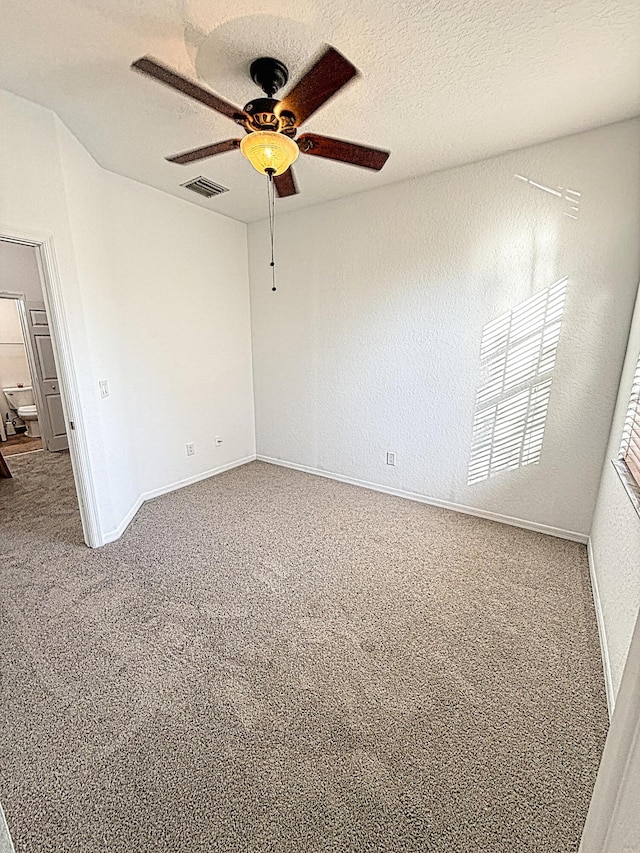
104,388
191,448
391,457
218,440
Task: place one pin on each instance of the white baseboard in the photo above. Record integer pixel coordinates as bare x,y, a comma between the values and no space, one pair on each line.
425,499
189,481
6,844
112,535
602,633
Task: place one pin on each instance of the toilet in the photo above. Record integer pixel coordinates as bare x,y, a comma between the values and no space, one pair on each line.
21,401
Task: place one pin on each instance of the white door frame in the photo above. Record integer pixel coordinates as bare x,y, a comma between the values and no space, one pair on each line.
63,353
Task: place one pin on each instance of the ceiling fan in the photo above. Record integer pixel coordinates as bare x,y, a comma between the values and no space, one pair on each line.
271,125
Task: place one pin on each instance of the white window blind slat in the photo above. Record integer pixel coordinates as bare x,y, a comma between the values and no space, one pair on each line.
630,446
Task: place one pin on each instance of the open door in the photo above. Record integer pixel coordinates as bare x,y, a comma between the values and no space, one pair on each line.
46,388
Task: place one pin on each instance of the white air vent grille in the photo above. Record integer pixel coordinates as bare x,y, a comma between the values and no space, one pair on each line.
205,187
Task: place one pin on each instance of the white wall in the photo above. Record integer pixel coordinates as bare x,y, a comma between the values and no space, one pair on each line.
156,294
372,340
615,535
169,313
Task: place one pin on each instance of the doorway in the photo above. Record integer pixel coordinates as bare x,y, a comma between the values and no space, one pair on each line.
46,407
31,412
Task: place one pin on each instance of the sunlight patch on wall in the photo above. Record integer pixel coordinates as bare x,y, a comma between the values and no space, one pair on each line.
518,355
568,198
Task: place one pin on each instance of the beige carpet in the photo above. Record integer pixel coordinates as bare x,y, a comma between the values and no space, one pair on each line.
271,661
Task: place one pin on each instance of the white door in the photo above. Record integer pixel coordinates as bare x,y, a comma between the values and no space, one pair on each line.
45,381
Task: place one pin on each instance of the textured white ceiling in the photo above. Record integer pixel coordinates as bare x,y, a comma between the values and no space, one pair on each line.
442,82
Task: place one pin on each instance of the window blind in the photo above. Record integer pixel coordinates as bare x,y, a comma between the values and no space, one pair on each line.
630,447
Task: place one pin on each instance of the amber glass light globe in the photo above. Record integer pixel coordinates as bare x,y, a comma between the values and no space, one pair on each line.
266,149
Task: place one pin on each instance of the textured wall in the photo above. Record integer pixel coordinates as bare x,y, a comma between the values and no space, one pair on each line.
615,535
166,295
372,342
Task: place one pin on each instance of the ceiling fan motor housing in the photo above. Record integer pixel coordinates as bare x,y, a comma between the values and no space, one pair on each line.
262,116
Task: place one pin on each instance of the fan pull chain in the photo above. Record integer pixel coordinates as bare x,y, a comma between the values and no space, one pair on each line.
272,223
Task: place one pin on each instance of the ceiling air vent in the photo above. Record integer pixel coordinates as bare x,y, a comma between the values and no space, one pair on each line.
205,187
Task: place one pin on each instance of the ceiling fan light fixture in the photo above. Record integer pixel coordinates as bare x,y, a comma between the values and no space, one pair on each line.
269,152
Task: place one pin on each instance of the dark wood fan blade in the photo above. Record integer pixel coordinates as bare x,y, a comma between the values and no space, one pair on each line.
347,152
286,183
326,76
154,69
207,151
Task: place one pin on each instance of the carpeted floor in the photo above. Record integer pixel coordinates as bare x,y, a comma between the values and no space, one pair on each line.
270,662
